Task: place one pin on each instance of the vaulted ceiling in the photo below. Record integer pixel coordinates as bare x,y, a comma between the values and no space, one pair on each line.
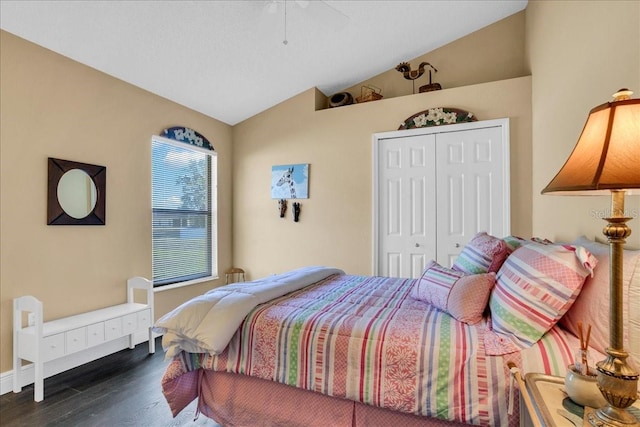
233,59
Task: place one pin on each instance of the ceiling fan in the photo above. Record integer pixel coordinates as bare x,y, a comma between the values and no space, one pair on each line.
318,10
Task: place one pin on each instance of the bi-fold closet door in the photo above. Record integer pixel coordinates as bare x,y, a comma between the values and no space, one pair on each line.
434,189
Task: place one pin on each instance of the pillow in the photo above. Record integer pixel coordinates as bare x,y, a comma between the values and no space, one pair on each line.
514,242
535,287
592,305
483,254
463,297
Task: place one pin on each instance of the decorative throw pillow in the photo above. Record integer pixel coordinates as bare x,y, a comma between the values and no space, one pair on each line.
535,287
463,297
514,242
483,254
592,305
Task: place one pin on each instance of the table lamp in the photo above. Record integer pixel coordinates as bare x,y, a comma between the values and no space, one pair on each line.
606,160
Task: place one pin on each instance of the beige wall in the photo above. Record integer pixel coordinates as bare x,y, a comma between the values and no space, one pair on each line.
489,54
54,107
335,225
580,53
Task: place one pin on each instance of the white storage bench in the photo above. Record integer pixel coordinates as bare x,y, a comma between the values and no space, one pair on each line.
70,336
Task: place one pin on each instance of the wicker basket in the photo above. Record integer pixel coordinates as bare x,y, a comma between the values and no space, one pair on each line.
369,93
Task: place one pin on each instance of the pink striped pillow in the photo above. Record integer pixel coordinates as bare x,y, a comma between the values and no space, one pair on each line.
535,287
463,297
482,254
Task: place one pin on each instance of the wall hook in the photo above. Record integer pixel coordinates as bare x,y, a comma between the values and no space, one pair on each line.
282,205
296,211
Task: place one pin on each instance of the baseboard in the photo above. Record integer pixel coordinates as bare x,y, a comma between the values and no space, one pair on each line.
73,360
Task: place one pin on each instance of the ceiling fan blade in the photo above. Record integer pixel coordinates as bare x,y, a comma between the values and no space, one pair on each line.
319,11
270,7
323,12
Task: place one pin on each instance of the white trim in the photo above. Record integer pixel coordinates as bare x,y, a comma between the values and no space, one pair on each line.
374,199
441,129
73,360
183,284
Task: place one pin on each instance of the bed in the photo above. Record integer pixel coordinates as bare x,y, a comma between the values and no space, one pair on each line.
317,346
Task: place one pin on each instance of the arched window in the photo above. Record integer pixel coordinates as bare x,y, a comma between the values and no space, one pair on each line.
184,206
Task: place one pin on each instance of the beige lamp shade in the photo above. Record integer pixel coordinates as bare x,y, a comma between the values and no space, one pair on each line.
607,155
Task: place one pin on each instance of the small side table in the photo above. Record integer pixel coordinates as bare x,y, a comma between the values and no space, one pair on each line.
547,393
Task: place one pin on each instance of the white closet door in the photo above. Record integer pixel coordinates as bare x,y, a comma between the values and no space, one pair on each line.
434,189
406,191
471,188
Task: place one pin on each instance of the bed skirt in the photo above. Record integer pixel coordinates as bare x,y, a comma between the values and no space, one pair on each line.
239,400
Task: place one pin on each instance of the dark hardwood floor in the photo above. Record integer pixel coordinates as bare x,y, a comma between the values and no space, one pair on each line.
122,389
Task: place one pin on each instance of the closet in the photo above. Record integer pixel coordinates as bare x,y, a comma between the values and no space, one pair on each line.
434,188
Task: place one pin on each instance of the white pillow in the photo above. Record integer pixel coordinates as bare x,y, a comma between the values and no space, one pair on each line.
592,305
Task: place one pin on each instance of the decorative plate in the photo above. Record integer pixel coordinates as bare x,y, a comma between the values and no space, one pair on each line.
436,117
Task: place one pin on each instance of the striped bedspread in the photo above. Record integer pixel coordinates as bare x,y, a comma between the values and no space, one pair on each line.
365,339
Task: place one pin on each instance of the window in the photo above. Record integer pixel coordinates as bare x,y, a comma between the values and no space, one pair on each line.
184,206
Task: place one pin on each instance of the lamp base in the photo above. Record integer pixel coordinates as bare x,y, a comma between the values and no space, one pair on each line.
612,417
617,381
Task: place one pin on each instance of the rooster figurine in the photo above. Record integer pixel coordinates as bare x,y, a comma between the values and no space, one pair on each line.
412,75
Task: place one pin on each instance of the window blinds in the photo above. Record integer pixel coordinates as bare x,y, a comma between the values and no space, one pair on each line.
184,209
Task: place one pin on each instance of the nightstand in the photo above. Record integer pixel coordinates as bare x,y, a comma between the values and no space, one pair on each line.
547,394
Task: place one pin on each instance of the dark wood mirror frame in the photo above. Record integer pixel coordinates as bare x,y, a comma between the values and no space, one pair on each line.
55,213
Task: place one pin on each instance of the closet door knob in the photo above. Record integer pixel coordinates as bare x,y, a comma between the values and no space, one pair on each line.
457,245
417,245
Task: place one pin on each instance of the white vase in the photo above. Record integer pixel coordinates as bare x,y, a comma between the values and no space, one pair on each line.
583,389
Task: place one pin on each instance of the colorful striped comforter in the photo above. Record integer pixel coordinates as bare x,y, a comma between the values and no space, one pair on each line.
365,339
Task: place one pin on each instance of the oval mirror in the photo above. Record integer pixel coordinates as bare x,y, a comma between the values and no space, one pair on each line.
77,193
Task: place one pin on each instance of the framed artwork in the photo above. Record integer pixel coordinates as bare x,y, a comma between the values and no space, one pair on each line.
290,181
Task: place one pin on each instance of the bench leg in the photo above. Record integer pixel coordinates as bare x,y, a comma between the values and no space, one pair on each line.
17,370
152,342
38,394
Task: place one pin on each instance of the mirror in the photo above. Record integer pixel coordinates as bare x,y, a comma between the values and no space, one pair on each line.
76,193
